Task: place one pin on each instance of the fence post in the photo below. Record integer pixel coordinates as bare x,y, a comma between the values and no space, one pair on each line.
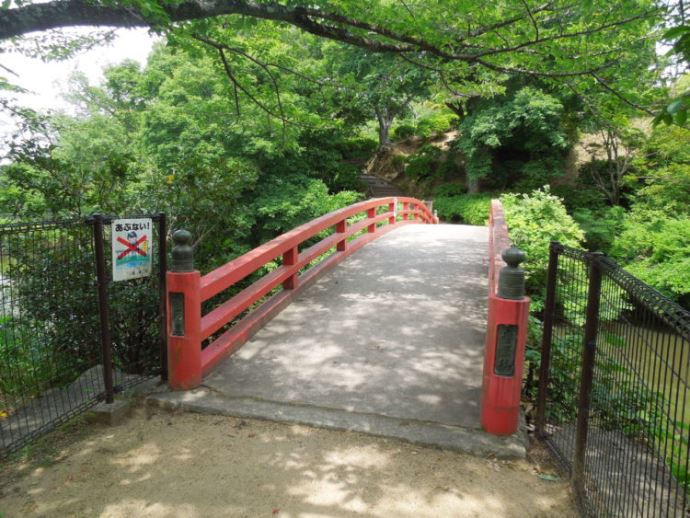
290,259
103,309
371,213
587,371
184,321
547,336
162,274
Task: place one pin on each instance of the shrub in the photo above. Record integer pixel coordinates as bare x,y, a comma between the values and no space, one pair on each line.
601,226
579,196
403,131
450,189
472,209
423,163
534,220
450,168
656,248
436,123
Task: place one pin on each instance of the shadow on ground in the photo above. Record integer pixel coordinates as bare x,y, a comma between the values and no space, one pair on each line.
199,466
397,330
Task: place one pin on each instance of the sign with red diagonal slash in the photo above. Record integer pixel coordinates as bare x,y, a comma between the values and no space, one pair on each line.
132,248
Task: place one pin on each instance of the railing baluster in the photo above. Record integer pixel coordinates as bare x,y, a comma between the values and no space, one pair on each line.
371,213
341,228
290,259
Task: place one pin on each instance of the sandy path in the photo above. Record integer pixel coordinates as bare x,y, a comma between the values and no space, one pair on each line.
207,466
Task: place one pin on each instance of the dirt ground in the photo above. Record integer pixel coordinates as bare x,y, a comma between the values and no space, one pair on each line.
187,465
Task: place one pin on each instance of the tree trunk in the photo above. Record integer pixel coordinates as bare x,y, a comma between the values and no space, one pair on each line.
385,122
472,184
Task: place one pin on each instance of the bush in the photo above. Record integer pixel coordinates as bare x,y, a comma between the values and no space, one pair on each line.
423,163
579,196
436,123
450,189
655,247
601,226
403,131
472,209
534,220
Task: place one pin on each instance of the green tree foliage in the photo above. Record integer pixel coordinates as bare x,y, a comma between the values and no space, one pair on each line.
534,220
525,131
171,138
376,86
472,209
470,47
654,241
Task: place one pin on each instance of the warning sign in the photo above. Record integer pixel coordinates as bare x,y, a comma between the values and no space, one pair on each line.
132,248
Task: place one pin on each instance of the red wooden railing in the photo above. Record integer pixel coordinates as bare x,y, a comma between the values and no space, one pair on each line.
187,362
506,337
499,240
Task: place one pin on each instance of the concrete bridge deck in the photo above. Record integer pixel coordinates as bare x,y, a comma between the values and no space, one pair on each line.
390,342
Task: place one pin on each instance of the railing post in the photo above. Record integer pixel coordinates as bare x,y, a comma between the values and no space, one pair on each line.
290,259
371,213
341,228
393,209
547,336
184,316
587,371
404,208
505,348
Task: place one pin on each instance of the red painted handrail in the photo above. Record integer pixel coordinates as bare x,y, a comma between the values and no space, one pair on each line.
188,362
500,401
499,240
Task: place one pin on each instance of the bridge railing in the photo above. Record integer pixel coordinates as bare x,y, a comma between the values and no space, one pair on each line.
506,333
498,242
231,323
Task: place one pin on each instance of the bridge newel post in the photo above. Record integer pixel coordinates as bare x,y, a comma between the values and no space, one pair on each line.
341,228
371,213
290,259
505,348
184,315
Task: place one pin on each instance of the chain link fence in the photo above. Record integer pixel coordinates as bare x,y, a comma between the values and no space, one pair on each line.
51,348
613,399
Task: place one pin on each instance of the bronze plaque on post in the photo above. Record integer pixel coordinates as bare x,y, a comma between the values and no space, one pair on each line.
506,342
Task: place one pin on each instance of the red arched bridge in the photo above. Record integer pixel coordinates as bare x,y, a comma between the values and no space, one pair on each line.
391,342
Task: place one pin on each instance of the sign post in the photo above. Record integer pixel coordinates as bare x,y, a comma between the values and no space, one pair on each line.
132,246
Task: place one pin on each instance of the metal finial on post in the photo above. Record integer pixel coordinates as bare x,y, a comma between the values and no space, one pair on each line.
511,278
182,252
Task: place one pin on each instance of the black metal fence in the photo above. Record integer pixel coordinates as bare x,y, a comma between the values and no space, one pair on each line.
613,400
57,358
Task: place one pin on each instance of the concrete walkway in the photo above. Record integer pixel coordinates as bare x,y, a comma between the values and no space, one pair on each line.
390,342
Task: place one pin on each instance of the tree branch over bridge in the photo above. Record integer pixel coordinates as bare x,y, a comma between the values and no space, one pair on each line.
554,40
